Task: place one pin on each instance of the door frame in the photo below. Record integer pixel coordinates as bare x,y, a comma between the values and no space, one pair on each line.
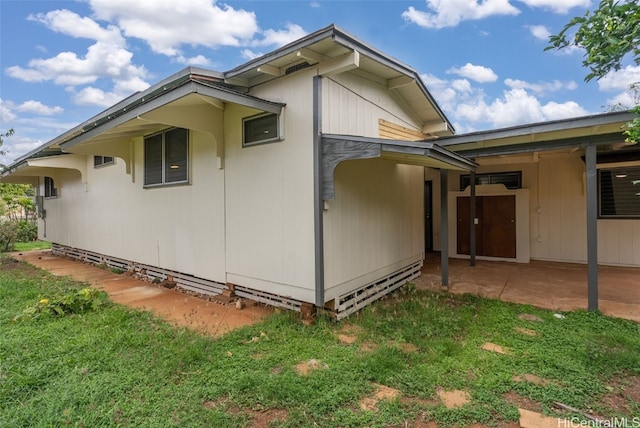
523,245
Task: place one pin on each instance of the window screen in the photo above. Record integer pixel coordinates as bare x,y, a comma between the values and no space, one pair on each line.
619,194
260,129
511,180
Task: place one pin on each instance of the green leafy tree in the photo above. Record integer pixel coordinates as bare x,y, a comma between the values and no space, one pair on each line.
608,35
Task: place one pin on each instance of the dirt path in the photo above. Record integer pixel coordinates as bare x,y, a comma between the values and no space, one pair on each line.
174,306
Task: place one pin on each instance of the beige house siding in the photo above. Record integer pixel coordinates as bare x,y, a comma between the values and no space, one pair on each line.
374,226
177,227
269,196
556,210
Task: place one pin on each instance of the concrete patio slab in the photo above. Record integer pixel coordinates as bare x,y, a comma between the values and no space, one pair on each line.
549,285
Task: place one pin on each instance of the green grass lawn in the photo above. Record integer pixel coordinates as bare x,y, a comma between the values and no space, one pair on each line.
33,245
120,367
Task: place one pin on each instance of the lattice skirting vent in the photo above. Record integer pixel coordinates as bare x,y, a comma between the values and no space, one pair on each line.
367,294
182,280
344,305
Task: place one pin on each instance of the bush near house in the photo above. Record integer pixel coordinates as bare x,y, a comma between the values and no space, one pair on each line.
12,231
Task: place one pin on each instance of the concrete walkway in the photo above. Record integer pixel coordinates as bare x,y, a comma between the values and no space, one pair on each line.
549,285
174,306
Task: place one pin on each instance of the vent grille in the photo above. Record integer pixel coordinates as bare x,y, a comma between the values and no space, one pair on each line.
296,67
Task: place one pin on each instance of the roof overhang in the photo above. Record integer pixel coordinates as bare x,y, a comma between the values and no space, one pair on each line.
339,148
29,170
601,130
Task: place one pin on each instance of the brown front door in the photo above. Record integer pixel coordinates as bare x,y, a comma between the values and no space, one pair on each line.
496,228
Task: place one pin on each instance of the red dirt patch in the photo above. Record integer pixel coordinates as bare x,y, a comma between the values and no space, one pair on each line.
529,317
492,347
526,331
531,378
522,402
346,339
381,393
306,367
407,348
266,418
624,391
454,399
369,346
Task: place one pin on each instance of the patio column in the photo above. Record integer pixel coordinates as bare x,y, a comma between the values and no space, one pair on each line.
472,217
592,227
444,227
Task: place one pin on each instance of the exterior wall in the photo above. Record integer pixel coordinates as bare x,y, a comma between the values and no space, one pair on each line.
374,226
556,211
269,196
179,227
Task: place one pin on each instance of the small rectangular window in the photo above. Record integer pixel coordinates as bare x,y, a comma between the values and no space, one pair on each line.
50,190
99,161
166,157
511,180
619,192
260,129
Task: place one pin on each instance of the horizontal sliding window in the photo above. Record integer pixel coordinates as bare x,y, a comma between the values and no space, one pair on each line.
166,157
260,129
99,161
511,180
619,192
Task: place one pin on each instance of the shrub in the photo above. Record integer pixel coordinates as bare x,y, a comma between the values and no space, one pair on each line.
26,231
7,235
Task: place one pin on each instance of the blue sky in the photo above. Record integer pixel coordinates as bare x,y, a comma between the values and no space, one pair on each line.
64,61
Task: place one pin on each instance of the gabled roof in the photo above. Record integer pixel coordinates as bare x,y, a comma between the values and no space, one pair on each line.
334,49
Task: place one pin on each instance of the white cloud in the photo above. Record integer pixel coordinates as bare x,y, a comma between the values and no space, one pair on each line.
515,106
314,4
541,88
96,97
557,6
450,13
166,25
71,24
540,32
37,107
249,54
6,115
198,60
478,73
281,37
107,58
621,79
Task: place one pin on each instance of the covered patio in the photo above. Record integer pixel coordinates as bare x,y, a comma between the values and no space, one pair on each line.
549,285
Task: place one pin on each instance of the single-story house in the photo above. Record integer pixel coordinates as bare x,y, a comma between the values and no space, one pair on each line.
318,175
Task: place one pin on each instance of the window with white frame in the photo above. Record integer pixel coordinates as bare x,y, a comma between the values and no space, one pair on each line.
166,158
260,129
50,190
619,192
99,161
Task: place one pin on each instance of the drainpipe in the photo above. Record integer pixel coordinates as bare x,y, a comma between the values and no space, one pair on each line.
318,202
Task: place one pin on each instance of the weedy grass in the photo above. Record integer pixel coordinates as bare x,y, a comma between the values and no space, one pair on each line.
32,245
114,366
